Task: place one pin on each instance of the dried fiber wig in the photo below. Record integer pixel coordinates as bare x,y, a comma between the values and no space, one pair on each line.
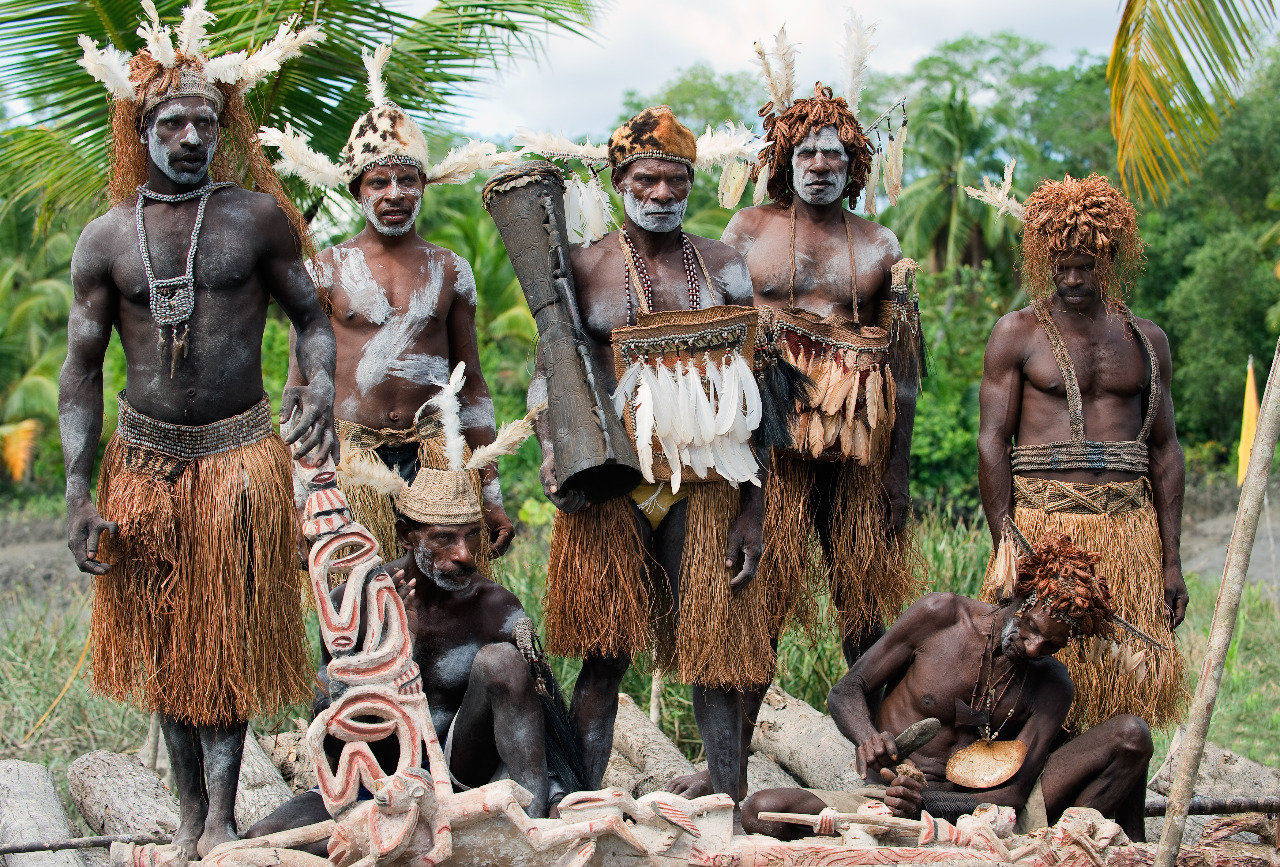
783,132
1081,216
1063,579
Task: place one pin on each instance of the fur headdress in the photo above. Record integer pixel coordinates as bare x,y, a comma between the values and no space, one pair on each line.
450,495
384,134
173,64
652,134
788,121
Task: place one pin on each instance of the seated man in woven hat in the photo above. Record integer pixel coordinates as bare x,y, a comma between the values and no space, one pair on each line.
987,673
670,558
495,704
1077,435
403,310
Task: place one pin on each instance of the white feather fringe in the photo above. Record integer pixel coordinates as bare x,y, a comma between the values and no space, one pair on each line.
156,36
461,163
551,146
108,65
762,185
733,183
191,32
719,148
298,159
447,404
373,474
858,48
373,64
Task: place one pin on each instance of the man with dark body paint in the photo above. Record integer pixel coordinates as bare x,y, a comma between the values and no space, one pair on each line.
1076,361
195,492
946,651
655,192
483,702
404,315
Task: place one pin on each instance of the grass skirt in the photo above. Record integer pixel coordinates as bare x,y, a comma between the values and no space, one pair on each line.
200,617
607,596
1120,524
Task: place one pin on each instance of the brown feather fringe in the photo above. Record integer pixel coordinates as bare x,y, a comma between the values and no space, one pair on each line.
1129,542
597,601
200,617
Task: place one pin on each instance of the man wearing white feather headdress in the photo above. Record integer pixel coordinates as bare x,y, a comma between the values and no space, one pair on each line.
672,563
403,310
197,612
834,289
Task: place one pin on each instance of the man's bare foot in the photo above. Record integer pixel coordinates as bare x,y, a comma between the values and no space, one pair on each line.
188,834
215,834
691,786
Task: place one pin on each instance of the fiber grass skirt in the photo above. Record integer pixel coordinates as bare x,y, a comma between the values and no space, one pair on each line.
200,616
1130,678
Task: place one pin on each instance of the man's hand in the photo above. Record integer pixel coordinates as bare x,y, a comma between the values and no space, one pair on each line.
746,541
568,502
501,530
406,591
84,526
306,412
1175,595
877,753
905,795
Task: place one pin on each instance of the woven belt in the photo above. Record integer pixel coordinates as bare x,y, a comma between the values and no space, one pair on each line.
1129,456
191,442
1051,495
366,439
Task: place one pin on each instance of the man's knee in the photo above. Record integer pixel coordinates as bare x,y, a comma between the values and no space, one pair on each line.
605,668
502,668
763,801
1133,737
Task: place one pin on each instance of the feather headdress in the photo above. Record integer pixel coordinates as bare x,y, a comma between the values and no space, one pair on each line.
382,135
778,68
858,48
449,408
999,197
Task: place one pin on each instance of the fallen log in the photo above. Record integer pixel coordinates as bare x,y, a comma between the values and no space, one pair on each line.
30,810
645,746
764,773
621,774
262,788
289,753
117,795
805,743
1217,806
101,842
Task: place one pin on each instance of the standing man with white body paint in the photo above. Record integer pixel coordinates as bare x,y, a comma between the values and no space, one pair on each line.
403,312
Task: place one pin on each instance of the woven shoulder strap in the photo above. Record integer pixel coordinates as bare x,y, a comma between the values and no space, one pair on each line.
1153,390
1075,406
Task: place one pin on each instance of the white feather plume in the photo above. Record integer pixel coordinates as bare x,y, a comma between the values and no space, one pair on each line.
508,441
554,146
191,32
733,183
857,51
597,211
227,68
373,474
762,186
784,54
873,181
999,197
156,36
461,163
108,65
298,159
446,403
373,64
285,45
720,147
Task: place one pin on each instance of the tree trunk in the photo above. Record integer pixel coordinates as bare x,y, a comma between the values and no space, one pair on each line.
289,753
645,746
621,774
117,795
805,743
262,789
31,811
764,773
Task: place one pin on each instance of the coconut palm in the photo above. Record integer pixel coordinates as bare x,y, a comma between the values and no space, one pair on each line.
62,152
1175,65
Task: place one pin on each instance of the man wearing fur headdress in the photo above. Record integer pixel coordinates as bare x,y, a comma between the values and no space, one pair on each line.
1077,435
672,558
987,674
197,604
403,310
845,474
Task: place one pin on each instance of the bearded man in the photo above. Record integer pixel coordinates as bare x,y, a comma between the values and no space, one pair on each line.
1074,362
672,557
987,673
403,312
197,605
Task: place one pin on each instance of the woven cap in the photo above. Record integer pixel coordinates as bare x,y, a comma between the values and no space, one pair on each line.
441,497
186,80
653,134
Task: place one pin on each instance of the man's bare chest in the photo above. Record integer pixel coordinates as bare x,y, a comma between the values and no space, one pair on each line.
223,262
368,292
819,276
1112,364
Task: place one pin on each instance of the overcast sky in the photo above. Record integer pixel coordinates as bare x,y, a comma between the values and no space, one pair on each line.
576,87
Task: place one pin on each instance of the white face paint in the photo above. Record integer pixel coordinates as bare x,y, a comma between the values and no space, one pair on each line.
162,152
654,217
369,205
820,167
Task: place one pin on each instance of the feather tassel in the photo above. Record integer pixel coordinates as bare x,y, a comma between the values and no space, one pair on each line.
893,165
731,400
858,48
508,441
286,44
875,397
817,434
461,164
597,210
297,158
762,186
720,148
733,183
851,402
371,473
702,408
550,145
157,36
191,32
446,403
574,219
846,438
373,64
750,391
841,381
644,429
661,412
626,387
873,181
108,65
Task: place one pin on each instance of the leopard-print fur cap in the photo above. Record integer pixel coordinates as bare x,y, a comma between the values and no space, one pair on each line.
381,132
653,133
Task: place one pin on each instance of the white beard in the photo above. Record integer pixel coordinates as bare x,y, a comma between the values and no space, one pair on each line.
160,156
427,565
653,222
367,205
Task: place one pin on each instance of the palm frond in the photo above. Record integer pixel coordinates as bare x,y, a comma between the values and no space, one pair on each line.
1175,66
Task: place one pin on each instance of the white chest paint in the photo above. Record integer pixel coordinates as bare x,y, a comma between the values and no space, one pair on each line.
386,353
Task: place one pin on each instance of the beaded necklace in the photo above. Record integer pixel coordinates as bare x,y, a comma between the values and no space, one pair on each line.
635,269
986,706
173,299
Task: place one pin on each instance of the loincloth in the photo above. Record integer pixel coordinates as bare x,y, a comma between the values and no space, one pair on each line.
1118,521
403,451
870,573
607,596
200,616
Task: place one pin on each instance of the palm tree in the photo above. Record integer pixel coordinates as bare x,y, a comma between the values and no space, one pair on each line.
63,156
1175,65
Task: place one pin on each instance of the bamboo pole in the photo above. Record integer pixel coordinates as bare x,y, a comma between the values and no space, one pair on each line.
1224,621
